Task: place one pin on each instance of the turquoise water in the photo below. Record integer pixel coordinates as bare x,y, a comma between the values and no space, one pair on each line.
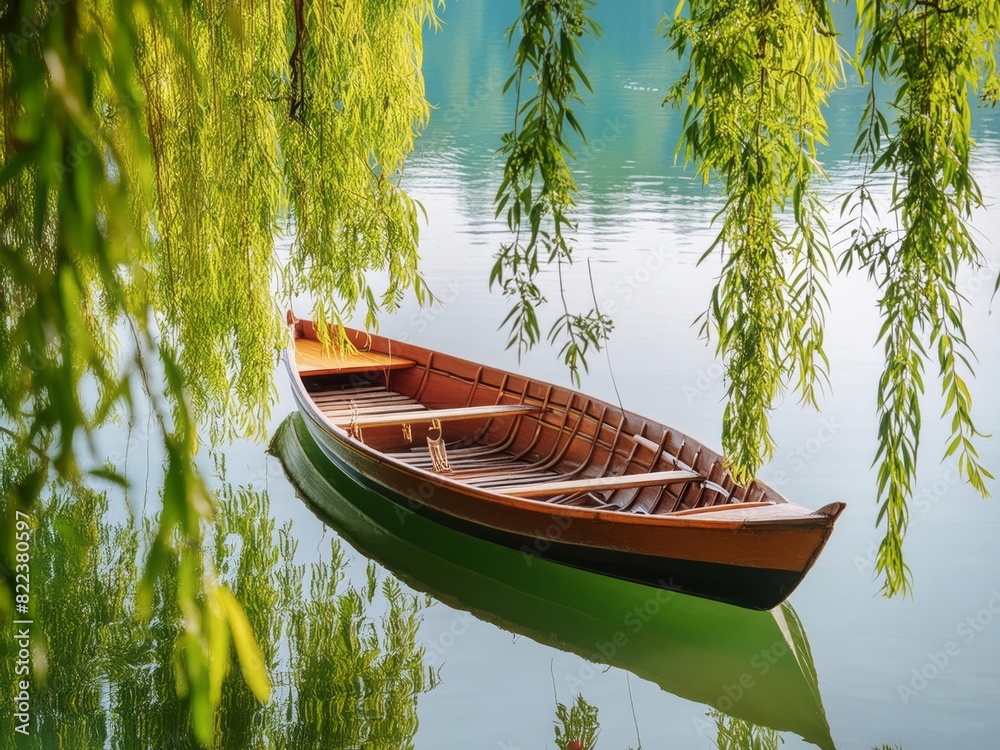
839,667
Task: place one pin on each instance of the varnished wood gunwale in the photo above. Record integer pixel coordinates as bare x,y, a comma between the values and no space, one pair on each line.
600,438
441,415
696,538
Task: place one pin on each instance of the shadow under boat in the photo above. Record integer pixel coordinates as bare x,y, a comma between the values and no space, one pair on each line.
754,666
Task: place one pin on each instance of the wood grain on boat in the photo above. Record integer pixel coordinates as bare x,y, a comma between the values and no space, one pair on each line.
550,471
313,359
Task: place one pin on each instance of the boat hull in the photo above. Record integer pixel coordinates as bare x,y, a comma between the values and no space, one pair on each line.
536,532
627,497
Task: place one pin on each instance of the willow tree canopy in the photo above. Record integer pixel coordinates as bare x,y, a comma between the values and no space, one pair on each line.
151,152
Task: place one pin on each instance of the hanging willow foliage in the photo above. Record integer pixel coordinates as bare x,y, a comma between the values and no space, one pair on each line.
360,100
538,189
150,153
759,73
758,77
940,56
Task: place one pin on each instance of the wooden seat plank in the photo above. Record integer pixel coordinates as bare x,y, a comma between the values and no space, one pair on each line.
602,483
369,406
311,358
341,412
347,392
351,405
377,396
509,480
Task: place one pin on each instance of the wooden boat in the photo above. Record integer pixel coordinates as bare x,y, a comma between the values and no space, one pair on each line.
549,471
696,649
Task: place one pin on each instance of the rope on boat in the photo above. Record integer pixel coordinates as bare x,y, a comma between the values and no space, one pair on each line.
437,450
354,429
607,348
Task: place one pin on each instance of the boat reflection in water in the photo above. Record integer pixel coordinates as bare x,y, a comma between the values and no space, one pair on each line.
752,666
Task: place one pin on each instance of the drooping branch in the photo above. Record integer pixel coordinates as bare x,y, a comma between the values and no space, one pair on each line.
148,161
754,126
939,55
298,95
538,191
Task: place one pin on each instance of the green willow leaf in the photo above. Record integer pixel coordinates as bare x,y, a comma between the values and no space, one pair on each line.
151,154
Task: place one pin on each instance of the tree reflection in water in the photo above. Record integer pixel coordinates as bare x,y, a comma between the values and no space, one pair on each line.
737,734
577,728
343,658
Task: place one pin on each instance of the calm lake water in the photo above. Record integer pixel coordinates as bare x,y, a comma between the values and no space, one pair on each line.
841,667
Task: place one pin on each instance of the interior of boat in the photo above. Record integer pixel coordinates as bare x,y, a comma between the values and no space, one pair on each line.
506,433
